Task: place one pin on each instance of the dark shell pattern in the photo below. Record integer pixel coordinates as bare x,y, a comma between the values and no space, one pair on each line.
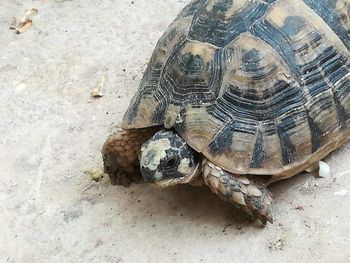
257,86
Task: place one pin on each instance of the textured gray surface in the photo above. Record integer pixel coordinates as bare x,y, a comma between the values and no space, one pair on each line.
52,131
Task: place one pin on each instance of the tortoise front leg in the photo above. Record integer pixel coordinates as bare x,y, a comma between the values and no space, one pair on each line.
120,155
254,198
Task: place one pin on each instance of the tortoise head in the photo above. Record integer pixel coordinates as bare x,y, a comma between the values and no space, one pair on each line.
166,160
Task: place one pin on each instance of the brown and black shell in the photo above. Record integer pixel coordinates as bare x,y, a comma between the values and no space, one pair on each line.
257,86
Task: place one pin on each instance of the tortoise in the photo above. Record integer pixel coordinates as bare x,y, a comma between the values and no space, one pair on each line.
239,94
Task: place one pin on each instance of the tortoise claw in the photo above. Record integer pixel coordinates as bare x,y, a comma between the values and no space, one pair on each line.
123,178
260,206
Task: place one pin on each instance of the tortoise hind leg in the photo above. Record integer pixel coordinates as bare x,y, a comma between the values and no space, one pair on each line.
254,198
120,155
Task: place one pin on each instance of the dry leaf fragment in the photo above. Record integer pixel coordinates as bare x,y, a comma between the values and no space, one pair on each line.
98,91
25,27
29,14
13,23
25,22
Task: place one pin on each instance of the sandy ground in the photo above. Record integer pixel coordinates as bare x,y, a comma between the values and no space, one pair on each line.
52,130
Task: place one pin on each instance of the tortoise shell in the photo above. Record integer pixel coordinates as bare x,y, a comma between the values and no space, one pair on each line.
256,86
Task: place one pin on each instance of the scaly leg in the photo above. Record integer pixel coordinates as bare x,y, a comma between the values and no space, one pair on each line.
254,198
120,155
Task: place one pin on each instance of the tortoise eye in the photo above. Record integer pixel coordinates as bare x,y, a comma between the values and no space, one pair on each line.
170,163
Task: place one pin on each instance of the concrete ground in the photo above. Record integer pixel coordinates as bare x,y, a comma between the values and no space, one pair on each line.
52,131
